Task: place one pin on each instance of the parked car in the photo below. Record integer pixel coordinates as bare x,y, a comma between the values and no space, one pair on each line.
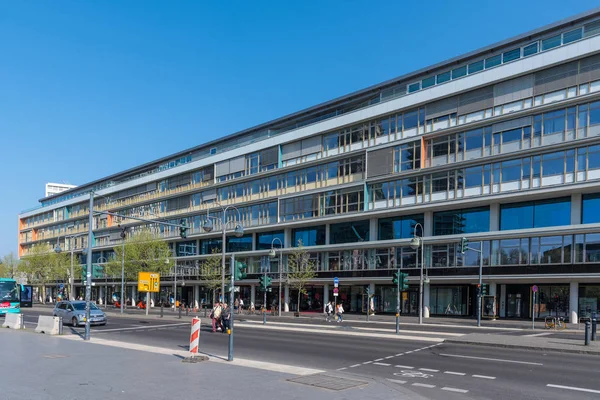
73,312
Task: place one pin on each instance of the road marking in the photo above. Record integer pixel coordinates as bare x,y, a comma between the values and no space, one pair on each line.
403,366
454,373
484,377
396,381
367,362
429,370
538,334
398,355
491,359
425,385
341,369
382,364
578,389
355,365
449,389
387,358
413,374
379,359
408,352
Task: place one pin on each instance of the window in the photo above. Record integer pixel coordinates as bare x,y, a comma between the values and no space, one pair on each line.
210,246
572,36
511,171
313,236
349,232
411,119
476,67
407,157
414,87
443,77
530,49
551,43
459,72
264,240
461,221
538,214
243,243
186,249
553,164
511,55
493,61
399,227
590,208
427,82
554,122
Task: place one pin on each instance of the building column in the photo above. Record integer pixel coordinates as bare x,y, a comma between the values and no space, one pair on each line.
492,292
287,238
253,294
427,224
286,297
502,301
133,295
327,233
196,297
573,303
325,295
575,208
101,290
373,231
426,298
494,217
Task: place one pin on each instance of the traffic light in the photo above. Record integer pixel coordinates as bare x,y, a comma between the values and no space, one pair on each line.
484,290
265,282
403,281
183,228
97,271
464,245
239,272
396,277
123,233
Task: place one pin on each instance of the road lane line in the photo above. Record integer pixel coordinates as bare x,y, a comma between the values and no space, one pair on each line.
382,364
425,385
403,366
429,370
387,358
398,355
379,359
449,389
396,381
355,365
341,369
483,377
578,389
454,373
491,359
538,334
367,362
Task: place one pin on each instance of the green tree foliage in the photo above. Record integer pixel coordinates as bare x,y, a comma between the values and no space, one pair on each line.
301,270
42,266
9,266
144,252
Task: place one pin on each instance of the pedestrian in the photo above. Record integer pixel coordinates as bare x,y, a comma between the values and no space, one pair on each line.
241,307
215,316
225,317
328,310
236,305
339,312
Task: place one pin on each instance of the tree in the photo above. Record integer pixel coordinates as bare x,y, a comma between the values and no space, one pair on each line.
210,273
42,266
301,269
144,252
9,265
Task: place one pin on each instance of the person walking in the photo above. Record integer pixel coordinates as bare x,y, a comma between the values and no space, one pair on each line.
340,311
226,317
241,306
328,311
236,305
215,316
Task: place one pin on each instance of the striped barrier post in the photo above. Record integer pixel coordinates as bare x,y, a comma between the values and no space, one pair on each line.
195,337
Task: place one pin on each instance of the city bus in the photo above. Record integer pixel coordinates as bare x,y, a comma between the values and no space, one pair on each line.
10,296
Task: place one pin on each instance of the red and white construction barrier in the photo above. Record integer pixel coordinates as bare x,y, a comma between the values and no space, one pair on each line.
195,337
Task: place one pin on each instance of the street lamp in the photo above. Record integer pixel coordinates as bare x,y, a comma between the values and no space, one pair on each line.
415,243
272,254
123,236
238,231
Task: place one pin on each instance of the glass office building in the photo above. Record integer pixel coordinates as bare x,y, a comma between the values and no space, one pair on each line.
500,146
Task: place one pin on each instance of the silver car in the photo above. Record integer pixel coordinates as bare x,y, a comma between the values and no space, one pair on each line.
73,312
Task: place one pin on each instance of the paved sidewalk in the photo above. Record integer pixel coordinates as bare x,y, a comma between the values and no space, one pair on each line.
47,368
544,343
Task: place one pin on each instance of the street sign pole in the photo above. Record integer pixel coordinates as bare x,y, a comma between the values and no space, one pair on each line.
534,289
147,302
231,294
398,304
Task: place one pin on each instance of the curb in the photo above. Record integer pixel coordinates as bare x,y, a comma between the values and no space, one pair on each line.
523,347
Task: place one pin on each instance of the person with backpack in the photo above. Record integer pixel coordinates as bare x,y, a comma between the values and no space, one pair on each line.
329,311
339,312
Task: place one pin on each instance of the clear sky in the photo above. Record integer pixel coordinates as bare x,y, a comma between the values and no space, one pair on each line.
90,88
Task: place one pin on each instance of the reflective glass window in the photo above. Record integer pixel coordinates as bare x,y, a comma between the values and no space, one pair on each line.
493,61
551,42
264,240
458,72
414,87
427,82
399,227
443,77
591,208
349,232
530,49
511,55
476,67
312,236
411,119
553,164
461,221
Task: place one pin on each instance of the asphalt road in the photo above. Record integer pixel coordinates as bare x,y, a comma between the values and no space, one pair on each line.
433,370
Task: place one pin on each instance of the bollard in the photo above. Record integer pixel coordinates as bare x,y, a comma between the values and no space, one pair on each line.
264,316
594,329
60,326
179,313
205,308
588,332
162,309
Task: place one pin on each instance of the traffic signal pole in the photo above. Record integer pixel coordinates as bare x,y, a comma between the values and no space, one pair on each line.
265,299
480,285
231,294
398,306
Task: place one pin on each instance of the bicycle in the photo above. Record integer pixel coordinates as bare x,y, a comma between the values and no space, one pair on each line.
555,323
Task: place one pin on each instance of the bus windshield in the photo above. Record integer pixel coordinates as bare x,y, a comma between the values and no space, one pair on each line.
9,291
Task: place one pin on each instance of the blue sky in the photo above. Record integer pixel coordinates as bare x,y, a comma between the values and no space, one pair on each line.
90,88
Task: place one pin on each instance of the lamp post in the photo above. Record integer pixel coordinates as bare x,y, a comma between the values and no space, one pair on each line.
272,255
123,236
415,243
238,232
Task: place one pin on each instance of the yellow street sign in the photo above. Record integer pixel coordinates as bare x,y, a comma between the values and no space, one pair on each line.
148,282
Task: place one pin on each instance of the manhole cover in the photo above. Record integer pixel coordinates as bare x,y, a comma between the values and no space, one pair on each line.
328,382
195,359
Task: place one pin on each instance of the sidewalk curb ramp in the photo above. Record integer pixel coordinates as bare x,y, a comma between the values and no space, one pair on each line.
48,325
13,321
